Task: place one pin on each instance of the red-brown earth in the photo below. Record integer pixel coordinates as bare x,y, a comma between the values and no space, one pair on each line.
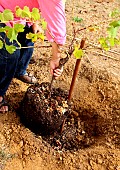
96,103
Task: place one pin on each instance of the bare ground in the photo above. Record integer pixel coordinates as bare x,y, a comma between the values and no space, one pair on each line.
96,101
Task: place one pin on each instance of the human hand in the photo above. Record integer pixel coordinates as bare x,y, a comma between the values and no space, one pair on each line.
37,28
54,68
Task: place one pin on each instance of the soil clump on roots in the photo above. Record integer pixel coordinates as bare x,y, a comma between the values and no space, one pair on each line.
44,111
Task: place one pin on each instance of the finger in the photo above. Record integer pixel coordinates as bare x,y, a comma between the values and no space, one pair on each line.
59,70
51,71
57,74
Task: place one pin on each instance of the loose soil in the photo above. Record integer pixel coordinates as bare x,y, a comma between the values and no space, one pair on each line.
89,138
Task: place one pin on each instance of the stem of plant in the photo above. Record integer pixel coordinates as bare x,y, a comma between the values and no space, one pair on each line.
75,71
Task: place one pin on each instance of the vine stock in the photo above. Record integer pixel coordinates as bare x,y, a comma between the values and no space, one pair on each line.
31,17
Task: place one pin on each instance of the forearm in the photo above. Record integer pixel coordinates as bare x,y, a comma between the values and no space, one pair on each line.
54,63
54,14
55,51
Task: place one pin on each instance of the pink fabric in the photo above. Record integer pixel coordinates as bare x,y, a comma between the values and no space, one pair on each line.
52,11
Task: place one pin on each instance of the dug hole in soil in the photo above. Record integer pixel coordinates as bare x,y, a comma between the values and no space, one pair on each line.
50,114
46,110
63,125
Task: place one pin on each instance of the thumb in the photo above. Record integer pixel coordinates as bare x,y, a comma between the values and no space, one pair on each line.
51,71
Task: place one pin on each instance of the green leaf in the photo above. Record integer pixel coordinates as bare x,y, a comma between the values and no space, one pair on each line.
7,15
115,23
35,37
78,53
35,15
117,41
26,12
10,48
23,13
104,44
77,19
2,29
29,35
1,17
11,33
112,42
18,11
19,27
1,44
106,48
101,40
44,24
112,31
114,13
32,36
40,36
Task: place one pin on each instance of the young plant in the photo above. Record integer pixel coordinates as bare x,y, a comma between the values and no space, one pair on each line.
12,28
112,39
106,43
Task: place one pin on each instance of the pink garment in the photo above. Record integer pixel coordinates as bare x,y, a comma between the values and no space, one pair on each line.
52,11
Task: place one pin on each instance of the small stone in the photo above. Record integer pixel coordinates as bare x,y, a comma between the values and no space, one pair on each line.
19,127
7,132
61,158
88,167
100,161
75,113
65,104
23,163
21,143
68,123
111,167
118,168
83,132
79,138
26,152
